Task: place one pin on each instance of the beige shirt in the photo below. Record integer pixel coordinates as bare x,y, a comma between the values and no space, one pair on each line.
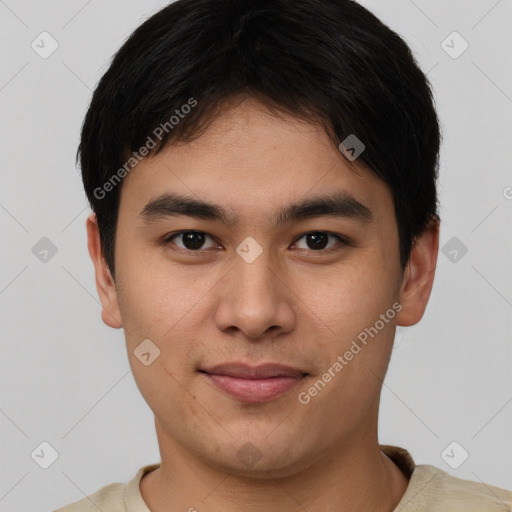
430,490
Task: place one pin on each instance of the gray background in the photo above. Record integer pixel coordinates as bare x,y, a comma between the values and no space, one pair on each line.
64,375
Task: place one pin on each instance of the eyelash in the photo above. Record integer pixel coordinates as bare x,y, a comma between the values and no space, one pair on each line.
342,241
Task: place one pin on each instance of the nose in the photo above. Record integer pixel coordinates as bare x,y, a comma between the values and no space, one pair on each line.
255,299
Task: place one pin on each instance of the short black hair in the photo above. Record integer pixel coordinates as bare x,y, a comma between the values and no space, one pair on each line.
331,62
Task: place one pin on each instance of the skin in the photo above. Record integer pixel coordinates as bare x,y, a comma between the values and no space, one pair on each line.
294,305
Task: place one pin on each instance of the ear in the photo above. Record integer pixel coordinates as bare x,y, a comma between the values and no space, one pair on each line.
110,314
419,276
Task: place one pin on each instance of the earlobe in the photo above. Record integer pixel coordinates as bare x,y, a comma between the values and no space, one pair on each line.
419,276
110,314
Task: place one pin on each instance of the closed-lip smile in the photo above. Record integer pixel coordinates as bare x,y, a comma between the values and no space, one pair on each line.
248,383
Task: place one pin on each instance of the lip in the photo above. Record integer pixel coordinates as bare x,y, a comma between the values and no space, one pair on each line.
254,383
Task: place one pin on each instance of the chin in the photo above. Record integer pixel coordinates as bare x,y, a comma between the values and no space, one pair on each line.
259,457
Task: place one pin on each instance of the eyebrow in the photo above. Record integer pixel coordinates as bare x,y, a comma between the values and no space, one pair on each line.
340,205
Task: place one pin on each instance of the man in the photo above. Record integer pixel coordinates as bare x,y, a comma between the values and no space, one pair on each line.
263,180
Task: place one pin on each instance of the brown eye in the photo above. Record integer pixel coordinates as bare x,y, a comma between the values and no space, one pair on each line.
191,240
318,240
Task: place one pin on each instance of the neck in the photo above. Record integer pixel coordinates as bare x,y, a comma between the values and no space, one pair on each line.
353,476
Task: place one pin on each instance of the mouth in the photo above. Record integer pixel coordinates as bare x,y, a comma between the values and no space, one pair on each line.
254,384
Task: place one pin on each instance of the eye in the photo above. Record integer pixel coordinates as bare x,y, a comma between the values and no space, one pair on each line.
318,240
192,240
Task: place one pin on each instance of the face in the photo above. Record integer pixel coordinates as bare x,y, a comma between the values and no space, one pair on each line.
252,282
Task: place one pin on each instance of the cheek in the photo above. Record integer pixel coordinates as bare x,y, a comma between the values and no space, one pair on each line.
157,308
350,301
350,297
154,294
165,304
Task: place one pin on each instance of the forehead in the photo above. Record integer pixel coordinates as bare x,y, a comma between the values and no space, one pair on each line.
252,160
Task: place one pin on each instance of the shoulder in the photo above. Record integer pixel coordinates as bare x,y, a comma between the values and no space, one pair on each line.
115,497
439,491
110,497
